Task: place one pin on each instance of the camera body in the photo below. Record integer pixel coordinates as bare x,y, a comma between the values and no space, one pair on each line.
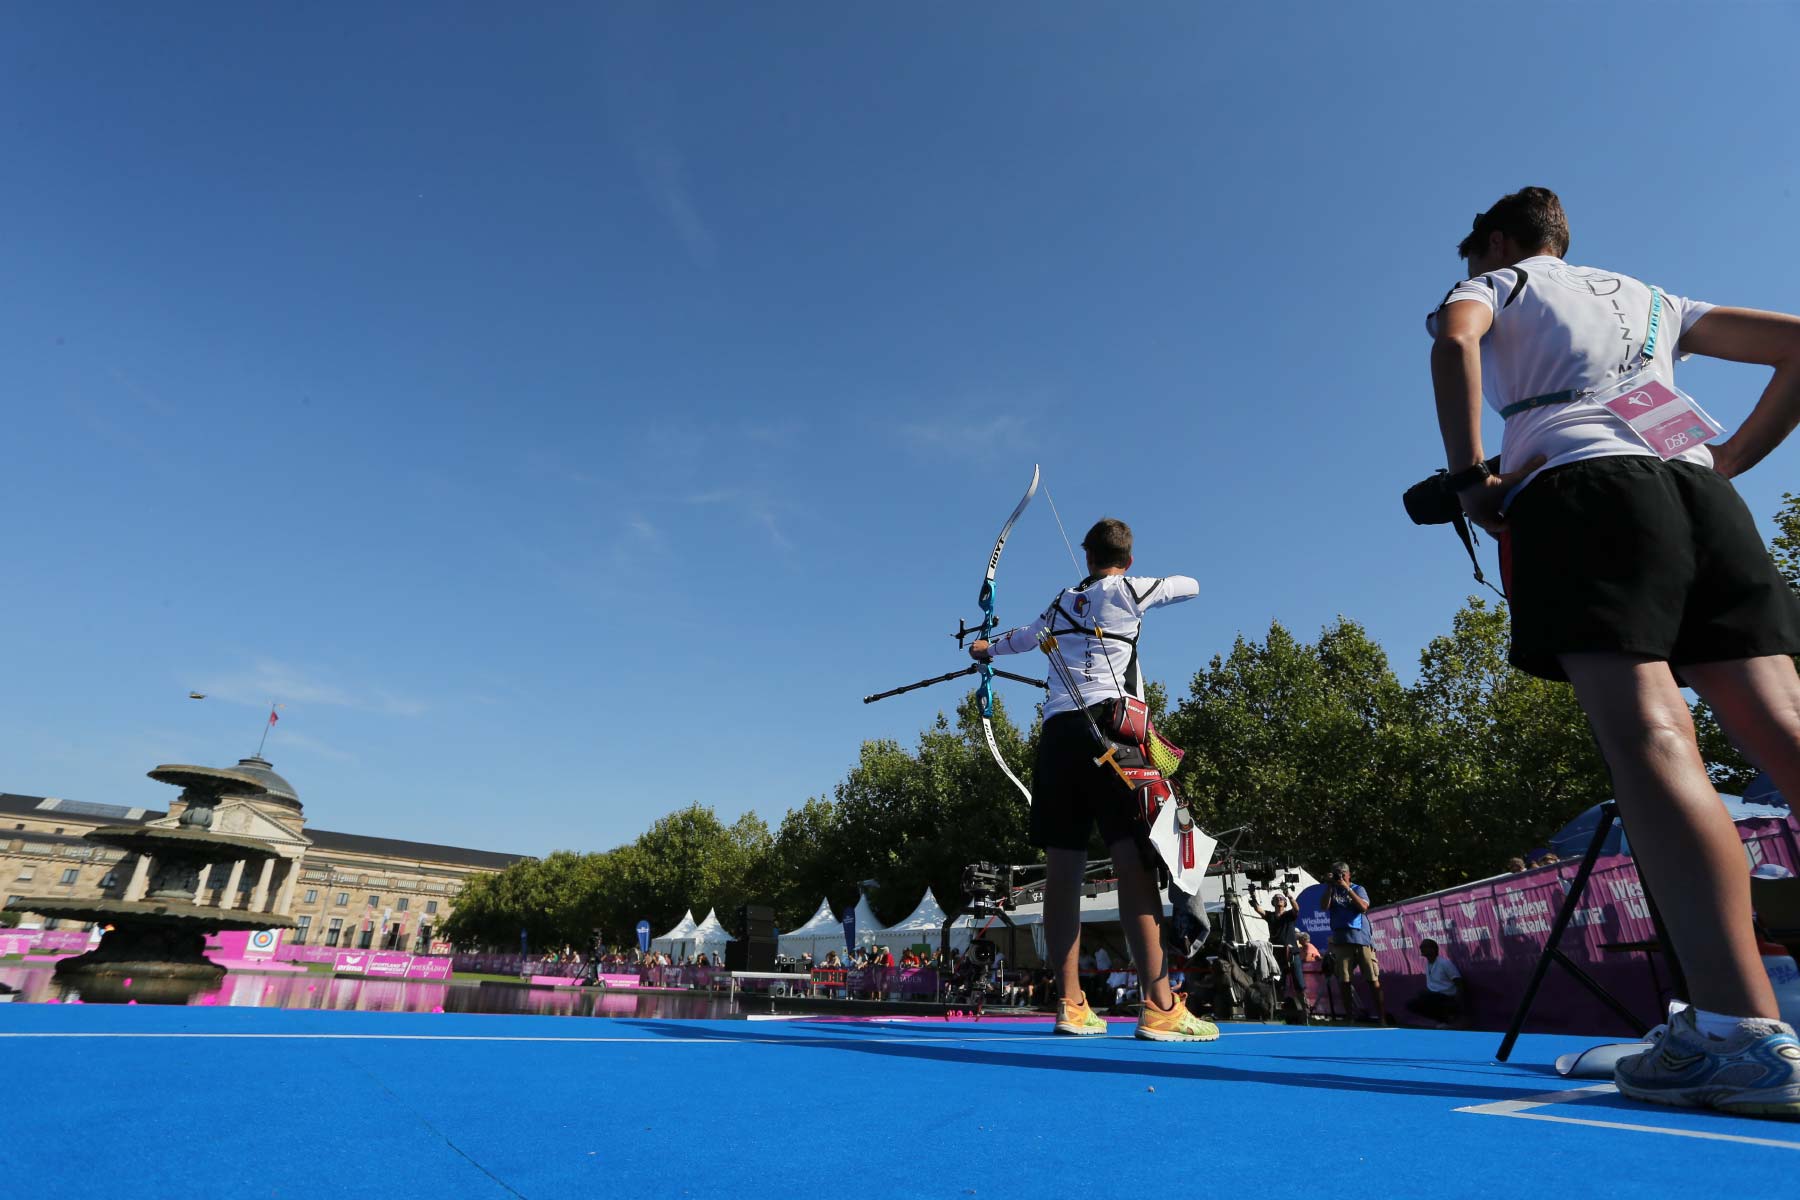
988,887
1431,502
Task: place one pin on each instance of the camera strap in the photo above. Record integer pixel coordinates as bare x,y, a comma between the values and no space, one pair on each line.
1461,521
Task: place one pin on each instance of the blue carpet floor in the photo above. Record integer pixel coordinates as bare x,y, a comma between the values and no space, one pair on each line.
180,1103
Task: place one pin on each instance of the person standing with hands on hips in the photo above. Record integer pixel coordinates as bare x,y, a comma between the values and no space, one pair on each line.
1634,569
1347,904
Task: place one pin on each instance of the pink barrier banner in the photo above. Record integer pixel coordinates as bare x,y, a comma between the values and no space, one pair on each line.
390,964
45,941
904,981
387,963
1495,929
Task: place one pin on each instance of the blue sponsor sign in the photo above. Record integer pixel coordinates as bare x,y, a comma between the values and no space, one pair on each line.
850,929
643,932
1314,921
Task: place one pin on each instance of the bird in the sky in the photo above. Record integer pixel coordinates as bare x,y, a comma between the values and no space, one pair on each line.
196,695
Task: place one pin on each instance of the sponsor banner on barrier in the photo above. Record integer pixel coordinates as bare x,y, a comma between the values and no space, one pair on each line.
1494,931
387,963
46,941
391,964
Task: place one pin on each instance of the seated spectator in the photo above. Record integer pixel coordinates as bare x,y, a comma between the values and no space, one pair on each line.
1441,1001
1514,865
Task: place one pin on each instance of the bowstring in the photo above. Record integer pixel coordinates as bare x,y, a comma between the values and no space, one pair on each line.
1101,637
1059,528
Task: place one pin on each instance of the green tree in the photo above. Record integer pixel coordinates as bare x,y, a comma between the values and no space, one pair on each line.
1786,544
1304,743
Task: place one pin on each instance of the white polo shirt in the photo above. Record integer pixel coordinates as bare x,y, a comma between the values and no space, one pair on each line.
1559,327
1102,666
1441,976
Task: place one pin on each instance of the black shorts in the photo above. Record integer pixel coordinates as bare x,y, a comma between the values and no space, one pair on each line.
1069,794
1632,555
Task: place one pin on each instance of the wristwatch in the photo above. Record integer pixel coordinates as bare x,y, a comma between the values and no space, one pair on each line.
1468,477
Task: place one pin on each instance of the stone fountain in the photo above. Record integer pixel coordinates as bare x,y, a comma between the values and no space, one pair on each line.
158,943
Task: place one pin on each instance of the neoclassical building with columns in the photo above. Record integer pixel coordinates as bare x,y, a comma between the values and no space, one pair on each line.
341,889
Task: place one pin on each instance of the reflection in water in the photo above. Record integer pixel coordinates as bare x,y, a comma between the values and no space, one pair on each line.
36,985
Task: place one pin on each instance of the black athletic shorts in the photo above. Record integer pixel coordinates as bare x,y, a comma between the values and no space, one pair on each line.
1632,555
1069,794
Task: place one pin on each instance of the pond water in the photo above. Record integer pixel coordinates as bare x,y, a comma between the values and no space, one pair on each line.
36,985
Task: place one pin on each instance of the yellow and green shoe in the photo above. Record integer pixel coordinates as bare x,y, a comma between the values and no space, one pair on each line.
1176,1024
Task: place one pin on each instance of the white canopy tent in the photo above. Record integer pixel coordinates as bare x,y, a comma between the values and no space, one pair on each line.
820,935
868,925
709,936
679,941
926,927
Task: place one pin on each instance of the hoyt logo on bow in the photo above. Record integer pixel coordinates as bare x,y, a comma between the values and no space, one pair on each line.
990,622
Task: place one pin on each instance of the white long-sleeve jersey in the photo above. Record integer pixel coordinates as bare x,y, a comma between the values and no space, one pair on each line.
1104,664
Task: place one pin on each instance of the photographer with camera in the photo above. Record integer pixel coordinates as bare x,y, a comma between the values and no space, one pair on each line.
1098,622
1347,904
1280,917
1632,567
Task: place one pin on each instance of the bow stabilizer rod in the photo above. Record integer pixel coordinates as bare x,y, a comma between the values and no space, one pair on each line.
970,670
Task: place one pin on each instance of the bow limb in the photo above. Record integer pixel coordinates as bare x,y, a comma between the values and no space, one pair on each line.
987,727
989,623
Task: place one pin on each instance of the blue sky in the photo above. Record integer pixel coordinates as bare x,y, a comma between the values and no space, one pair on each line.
571,416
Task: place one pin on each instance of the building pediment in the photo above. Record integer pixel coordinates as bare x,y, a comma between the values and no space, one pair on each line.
242,818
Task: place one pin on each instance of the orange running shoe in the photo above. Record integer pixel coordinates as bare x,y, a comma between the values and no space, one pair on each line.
1175,1025
1076,1018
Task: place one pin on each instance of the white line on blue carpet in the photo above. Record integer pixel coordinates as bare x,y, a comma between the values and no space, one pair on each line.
1525,1108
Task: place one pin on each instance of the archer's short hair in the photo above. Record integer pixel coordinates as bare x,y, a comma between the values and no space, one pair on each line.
1533,217
1108,543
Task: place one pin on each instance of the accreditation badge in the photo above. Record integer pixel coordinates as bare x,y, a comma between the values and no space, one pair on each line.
1663,417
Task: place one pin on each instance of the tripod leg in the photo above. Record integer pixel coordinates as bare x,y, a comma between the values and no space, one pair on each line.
1609,814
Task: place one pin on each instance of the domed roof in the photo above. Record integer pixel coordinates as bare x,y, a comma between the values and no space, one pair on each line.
280,790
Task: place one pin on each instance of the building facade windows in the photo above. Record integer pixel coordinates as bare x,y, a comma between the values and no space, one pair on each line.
334,931
302,926
343,898
431,907
312,895
374,901
110,879
25,874
70,876
404,902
